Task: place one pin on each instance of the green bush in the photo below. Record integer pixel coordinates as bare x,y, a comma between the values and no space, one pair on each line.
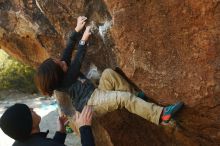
15,75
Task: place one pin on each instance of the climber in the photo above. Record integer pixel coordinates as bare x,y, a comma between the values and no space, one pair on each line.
113,91
22,124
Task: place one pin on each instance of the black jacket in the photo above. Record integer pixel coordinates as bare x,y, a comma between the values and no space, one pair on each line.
86,136
39,139
75,83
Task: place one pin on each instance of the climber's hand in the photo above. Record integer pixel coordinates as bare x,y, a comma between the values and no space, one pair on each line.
81,21
85,117
60,124
86,33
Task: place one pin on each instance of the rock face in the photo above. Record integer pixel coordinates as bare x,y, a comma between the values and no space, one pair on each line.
171,49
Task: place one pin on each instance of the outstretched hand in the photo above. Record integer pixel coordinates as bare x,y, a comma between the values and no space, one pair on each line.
85,117
81,21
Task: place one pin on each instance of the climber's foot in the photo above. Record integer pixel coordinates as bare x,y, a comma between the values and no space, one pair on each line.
170,111
171,123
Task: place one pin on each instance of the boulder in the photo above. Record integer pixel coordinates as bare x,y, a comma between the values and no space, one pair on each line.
170,49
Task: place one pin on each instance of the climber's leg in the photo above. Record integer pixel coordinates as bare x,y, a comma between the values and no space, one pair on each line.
107,101
112,81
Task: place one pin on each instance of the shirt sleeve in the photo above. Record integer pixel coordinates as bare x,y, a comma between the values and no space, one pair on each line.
75,66
59,137
87,138
67,53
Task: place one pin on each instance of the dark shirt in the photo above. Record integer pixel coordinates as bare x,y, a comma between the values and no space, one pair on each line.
39,139
75,83
86,136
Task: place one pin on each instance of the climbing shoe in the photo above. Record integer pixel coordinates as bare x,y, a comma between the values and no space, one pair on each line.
170,111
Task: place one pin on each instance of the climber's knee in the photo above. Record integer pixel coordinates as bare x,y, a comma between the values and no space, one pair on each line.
106,74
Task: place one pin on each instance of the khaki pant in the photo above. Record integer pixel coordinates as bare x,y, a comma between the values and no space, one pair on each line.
114,92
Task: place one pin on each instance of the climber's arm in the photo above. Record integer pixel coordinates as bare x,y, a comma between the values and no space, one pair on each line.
67,53
75,66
